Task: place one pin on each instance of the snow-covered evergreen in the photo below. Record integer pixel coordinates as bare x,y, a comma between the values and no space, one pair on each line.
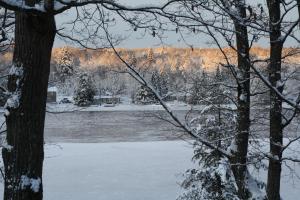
212,179
199,90
65,64
85,91
159,81
144,96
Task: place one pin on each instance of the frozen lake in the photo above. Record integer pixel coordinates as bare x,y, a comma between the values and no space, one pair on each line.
132,125
115,171
126,171
121,155
109,126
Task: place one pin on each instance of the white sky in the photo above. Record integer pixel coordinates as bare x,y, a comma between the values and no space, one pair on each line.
139,40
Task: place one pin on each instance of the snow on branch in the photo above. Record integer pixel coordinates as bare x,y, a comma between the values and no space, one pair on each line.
19,5
59,6
13,101
32,183
293,104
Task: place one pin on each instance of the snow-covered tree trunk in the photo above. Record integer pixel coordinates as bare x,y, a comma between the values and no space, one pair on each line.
239,159
276,128
25,114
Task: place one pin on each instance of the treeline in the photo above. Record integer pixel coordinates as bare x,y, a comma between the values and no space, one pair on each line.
193,83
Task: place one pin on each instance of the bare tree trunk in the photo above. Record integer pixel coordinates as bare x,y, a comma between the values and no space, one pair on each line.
28,82
276,128
239,160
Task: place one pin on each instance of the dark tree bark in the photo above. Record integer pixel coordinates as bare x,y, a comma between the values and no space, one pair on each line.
239,159
276,128
298,5
28,82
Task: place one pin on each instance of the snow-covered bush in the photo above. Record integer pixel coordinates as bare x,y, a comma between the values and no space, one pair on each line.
85,91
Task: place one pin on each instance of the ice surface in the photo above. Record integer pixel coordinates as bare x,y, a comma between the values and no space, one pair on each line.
115,171
125,171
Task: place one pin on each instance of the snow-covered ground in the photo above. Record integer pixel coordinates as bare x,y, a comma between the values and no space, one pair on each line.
114,171
125,171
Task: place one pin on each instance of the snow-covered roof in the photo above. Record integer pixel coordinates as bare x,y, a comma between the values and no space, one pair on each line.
52,89
107,97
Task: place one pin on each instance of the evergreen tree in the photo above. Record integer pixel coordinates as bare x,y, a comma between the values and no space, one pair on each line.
264,93
210,89
150,56
218,74
178,76
133,59
217,89
159,82
164,82
199,89
145,96
213,179
65,65
85,91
